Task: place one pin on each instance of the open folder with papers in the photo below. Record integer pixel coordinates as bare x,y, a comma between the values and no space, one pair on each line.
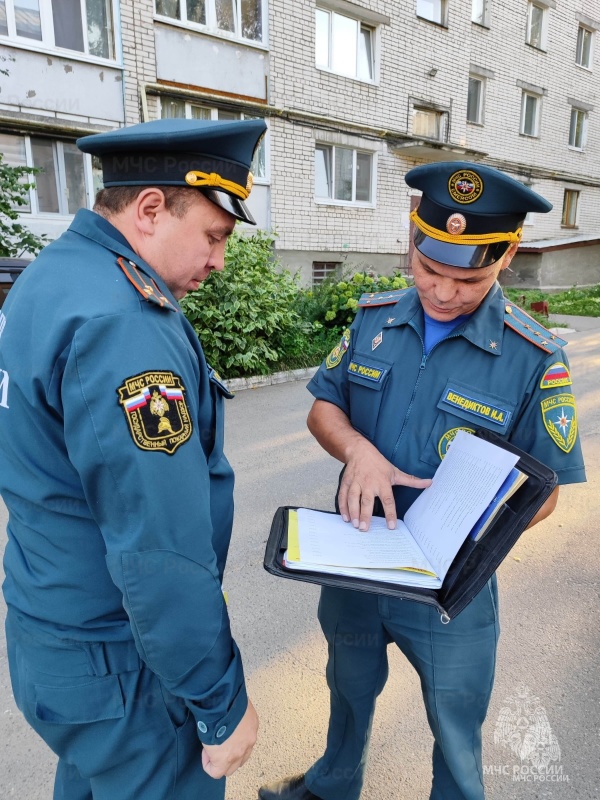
453,537
472,482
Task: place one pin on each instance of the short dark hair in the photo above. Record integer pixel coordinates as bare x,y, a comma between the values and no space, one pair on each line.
115,199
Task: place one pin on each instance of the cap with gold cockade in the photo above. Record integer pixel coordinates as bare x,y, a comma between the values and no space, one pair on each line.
469,214
211,155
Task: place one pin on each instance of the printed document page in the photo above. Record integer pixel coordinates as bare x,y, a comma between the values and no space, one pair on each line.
405,577
463,486
327,539
422,548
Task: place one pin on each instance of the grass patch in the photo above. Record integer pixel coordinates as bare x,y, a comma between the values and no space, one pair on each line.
576,302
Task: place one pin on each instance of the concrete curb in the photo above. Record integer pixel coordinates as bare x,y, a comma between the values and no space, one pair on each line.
236,384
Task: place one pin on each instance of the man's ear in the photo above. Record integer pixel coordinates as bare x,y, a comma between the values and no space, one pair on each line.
148,205
509,255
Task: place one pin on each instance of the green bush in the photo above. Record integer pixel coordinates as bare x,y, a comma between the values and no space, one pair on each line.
254,319
333,303
245,316
306,347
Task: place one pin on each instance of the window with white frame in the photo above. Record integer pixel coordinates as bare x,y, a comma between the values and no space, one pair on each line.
432,10
584,47
343,175
577,128
480,12
171,107
344,45
85,26
530,114
537,21
242,18
570,206
12,149
67,181
475,99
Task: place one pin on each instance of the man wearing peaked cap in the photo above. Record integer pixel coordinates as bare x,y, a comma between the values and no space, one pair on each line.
120,497
213,156
470,214
416,366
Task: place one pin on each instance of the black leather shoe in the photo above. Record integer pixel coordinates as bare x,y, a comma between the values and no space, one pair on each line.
287,789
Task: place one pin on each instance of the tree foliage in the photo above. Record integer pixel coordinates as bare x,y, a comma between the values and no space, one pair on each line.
15,238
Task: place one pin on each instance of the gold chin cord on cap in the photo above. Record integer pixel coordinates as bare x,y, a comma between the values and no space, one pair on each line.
475,239
195,178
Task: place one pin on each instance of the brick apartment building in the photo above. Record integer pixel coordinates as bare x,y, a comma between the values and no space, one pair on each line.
354,94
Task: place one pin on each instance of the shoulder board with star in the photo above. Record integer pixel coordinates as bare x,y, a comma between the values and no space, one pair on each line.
381,298
530,329
146,286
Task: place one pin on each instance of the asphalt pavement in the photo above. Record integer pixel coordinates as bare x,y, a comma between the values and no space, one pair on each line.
547,673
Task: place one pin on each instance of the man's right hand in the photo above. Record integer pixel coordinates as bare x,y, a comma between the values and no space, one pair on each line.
368,474
219,760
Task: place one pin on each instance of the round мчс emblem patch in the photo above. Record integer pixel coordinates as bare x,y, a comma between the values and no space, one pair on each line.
446,440
456,224
465,186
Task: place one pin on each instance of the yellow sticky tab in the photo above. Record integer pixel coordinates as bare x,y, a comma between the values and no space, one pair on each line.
293,548
416,569
225,596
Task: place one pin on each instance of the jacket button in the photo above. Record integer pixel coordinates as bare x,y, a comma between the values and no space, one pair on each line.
202,727
221,731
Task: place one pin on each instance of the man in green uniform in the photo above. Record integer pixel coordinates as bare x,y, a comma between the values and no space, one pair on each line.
120,497
416,366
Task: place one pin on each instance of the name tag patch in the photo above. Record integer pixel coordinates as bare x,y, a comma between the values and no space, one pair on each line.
369,373
485,410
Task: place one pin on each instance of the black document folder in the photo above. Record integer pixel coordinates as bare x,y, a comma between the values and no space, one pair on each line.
475,562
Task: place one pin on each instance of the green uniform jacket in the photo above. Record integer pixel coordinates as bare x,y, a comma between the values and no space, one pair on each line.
491,372
120,498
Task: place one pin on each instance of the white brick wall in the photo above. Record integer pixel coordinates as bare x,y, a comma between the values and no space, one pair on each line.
409,48
300,95
137,32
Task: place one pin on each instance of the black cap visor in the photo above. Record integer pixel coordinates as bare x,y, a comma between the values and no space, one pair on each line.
459,255
229,203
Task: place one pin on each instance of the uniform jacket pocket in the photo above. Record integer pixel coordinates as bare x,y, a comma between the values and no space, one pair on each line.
97,699
367,378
